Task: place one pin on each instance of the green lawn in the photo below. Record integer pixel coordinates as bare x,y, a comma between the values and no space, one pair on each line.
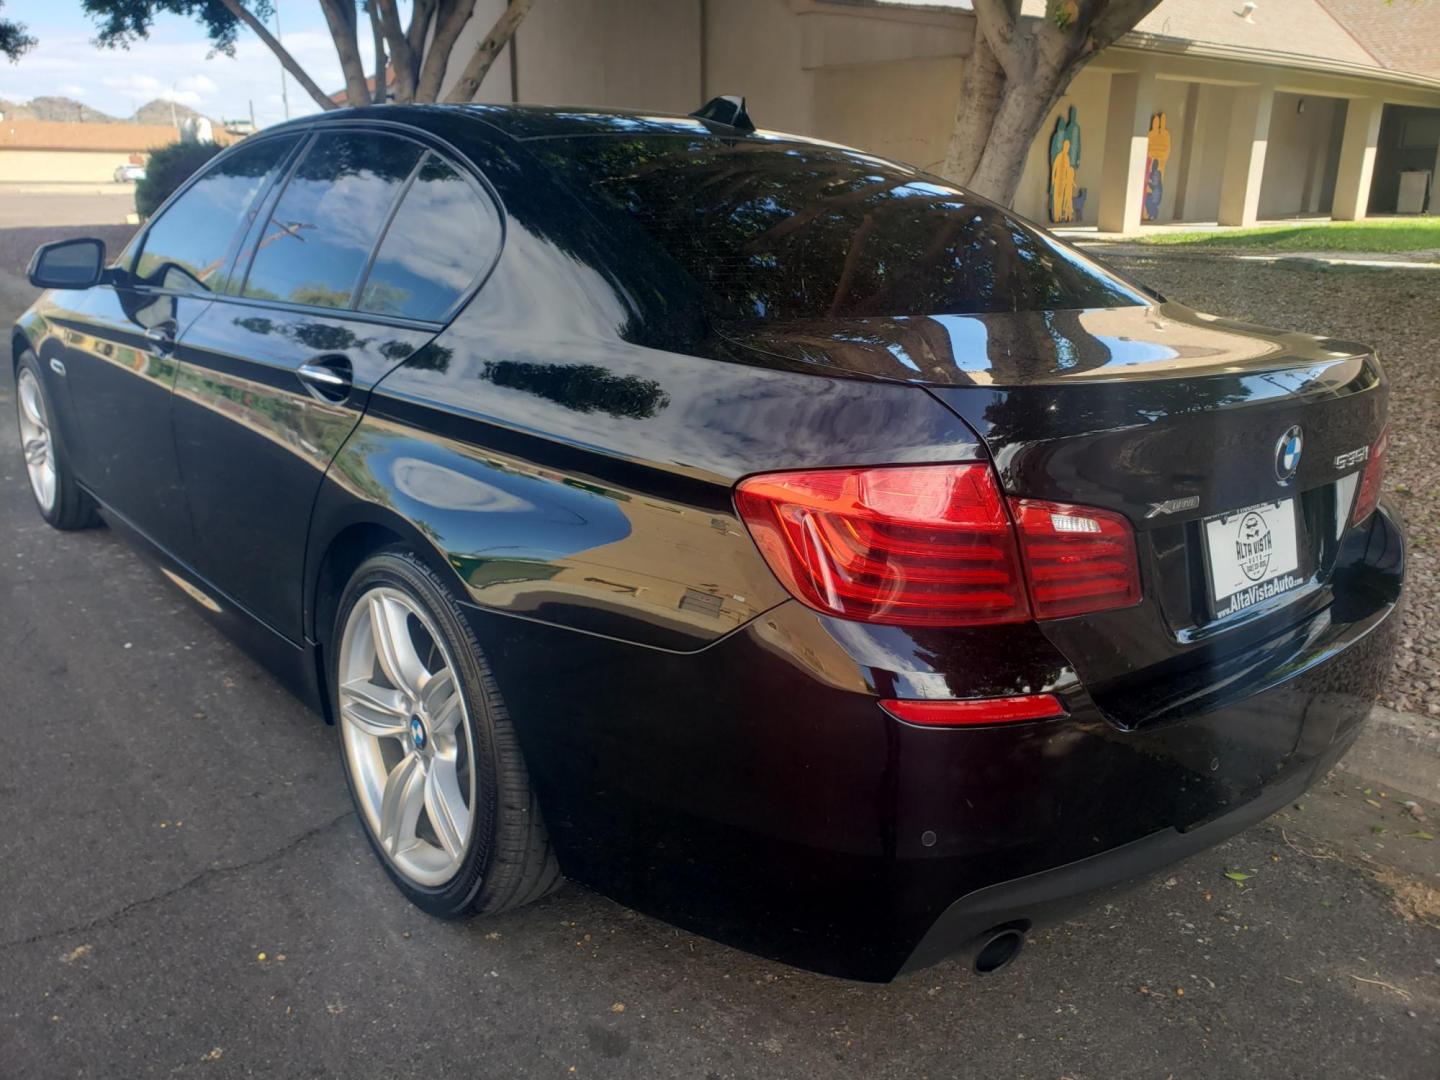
1384,234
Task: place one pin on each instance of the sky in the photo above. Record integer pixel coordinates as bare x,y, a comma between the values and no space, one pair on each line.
173,64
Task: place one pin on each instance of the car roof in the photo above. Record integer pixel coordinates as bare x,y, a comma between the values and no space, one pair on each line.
527,123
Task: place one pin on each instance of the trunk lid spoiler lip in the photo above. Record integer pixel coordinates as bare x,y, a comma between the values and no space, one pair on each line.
1087,346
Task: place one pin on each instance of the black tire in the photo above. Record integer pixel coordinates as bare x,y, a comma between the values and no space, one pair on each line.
508,859
72,507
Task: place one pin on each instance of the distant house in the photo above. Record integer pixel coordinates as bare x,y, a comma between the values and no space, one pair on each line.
59,151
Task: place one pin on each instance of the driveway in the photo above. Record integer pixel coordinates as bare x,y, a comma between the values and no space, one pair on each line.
186,892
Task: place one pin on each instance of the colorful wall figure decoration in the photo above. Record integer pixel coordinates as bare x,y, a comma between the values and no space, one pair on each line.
1157,153
1067,202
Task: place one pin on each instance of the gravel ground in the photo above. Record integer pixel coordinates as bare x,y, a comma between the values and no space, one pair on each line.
1397,311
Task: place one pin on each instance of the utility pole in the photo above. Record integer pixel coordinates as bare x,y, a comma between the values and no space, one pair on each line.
284,91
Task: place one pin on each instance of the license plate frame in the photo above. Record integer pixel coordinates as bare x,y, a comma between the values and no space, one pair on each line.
1251,555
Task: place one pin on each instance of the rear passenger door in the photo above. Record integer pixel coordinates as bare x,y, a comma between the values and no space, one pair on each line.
356,261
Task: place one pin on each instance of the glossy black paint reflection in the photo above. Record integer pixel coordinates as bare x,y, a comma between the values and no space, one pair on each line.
563,449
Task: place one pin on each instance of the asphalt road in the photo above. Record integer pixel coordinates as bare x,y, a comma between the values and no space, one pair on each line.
186,893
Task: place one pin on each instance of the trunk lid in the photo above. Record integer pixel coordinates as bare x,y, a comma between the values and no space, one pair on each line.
1172,418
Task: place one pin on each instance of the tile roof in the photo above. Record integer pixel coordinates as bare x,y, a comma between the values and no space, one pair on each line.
1403,35
64,135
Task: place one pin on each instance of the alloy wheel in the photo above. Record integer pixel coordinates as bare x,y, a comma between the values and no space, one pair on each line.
35,440
406,735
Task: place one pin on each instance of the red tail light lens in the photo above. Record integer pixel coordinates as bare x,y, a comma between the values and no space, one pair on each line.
919,546
1374,476
1004,710
933,545
1077,559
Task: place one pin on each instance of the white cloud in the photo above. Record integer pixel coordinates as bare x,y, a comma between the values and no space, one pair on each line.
197,84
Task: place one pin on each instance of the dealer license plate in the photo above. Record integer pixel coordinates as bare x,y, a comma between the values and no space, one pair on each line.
1252,555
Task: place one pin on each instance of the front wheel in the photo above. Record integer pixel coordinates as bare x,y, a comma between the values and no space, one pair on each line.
58,495
430,753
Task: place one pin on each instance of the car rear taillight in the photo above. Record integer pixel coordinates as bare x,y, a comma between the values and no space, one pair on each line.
1373,477
1078,560
935,545
925,545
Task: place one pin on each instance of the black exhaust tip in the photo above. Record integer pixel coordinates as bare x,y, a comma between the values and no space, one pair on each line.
997,949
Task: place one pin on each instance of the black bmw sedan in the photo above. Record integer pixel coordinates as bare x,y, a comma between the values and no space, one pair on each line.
773,537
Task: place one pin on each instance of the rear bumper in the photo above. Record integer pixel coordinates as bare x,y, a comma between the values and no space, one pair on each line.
755,793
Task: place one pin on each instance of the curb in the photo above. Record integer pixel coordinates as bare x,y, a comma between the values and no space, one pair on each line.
1400,750
1289,262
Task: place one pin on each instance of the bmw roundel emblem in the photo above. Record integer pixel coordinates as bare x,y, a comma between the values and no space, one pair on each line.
1287,454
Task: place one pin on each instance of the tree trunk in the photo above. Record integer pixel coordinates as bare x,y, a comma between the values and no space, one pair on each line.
1024,105
403,58
377,36
975,116
340,15
287,61
450,19
486,52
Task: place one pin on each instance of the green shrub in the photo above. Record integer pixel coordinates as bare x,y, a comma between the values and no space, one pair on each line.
168,168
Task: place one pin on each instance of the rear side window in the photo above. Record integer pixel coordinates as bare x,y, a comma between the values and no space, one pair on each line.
798,231
444,235
186,248
318,240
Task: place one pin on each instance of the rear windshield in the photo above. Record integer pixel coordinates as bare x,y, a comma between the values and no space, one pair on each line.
778,230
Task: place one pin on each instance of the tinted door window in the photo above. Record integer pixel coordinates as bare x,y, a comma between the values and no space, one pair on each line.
796,231
187,247
325,225
444,235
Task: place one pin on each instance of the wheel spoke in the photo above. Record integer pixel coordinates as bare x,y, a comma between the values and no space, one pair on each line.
393,646
441,702
401,803
30,402
446,806
378,712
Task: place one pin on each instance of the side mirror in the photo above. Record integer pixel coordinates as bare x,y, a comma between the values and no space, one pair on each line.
67,264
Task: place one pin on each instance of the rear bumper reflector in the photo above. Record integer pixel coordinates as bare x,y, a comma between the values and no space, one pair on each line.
1002,710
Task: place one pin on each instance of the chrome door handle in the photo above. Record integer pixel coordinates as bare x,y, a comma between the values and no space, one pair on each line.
329,378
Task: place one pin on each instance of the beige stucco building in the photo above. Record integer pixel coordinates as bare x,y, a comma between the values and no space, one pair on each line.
1296,108
58,151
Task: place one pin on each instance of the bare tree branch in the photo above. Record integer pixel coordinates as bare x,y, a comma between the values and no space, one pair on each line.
287,61
341,17
402,55
485,53
377,38
996,19
450,18
421,12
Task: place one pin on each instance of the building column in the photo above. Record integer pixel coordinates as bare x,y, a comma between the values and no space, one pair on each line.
1433,206
1127,127
1245,154
1357,159
1187,168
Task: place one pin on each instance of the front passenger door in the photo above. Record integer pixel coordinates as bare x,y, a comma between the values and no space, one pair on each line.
275,376
120,341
